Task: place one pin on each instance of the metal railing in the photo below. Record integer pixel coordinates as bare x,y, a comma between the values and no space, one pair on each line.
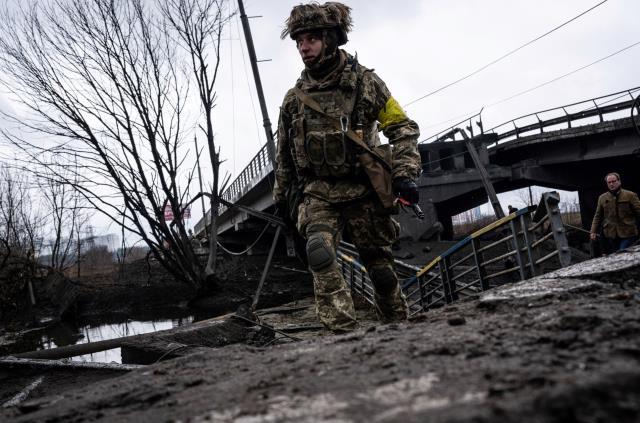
447,133
528,239
356,275
257,169
599,106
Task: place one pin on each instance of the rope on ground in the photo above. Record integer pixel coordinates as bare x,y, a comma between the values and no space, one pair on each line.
179,347
266,327
273,341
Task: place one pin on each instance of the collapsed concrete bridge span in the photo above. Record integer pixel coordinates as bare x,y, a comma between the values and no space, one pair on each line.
566,150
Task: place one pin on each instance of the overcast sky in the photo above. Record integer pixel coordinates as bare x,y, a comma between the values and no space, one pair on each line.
419,46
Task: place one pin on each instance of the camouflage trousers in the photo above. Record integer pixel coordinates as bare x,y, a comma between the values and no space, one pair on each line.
372,232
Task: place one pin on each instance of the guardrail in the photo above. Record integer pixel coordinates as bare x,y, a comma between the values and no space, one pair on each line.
469,267
599,106
258,168
446,133
515,128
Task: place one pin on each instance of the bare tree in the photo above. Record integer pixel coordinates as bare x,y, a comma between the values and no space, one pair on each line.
67,212
191,20
529,196
20,228
20,221
103,81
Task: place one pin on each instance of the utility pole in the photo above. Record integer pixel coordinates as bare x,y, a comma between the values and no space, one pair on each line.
204,210
271,147
484,176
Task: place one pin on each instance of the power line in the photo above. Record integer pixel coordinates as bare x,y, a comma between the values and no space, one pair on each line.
505,55
564,76
539,85
468,114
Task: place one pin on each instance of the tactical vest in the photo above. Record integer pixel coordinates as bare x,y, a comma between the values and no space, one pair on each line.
321,150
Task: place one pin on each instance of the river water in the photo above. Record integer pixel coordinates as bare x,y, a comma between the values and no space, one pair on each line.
62,335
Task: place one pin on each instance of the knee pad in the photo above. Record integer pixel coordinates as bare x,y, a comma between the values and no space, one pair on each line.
384,279
319,254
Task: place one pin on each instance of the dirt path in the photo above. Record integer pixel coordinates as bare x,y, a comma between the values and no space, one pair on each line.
561,348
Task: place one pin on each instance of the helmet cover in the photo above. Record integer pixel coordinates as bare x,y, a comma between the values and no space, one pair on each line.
314,16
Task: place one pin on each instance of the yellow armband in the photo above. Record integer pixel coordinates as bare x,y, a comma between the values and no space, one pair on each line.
391,113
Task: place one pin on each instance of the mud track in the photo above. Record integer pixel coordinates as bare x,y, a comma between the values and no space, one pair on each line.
564,347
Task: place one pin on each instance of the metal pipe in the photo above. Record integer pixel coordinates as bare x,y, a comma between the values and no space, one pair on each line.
498,258
541,240
547,257
495,243
484,176
204,210
265,271
502,272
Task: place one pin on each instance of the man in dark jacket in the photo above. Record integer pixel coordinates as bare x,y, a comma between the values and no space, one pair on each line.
336,107
616,212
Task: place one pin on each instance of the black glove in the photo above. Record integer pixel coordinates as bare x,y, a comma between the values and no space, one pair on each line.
406,189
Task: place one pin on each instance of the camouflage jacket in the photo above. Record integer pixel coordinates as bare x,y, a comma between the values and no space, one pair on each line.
617,214
374,109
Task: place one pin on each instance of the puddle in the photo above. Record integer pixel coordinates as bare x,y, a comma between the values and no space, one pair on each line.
63,335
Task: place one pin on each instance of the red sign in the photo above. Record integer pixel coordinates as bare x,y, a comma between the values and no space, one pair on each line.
168,213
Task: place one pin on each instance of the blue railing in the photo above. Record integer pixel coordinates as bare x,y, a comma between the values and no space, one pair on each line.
469,267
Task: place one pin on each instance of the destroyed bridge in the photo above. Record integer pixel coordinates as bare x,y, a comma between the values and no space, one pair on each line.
570,148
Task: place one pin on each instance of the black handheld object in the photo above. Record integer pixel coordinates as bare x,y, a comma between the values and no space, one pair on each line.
415,207
407,189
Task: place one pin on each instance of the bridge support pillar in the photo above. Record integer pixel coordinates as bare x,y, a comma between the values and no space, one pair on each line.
588,198
444,217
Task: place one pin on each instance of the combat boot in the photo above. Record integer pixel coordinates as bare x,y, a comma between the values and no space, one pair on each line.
390,303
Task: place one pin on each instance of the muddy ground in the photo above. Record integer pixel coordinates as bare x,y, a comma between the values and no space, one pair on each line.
564,347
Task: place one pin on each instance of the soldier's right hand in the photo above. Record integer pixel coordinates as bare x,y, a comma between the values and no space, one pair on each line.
406,189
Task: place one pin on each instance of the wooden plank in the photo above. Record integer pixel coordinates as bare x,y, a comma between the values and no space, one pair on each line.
16,362
225,325
23,394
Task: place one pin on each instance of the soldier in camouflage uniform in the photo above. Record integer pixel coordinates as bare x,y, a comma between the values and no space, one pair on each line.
317,156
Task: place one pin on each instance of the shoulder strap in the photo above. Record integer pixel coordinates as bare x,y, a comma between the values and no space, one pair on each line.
355,138
351,103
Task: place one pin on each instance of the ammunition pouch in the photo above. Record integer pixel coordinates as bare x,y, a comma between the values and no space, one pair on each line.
330,151
297,135
376,163
329,154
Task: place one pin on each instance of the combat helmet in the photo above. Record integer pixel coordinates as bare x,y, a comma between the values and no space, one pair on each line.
315,16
